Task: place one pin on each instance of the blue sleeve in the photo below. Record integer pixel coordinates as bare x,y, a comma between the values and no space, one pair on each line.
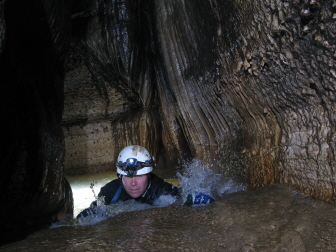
86,212
198,198
202,198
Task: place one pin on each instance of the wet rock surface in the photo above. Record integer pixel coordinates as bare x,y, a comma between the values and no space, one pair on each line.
246,86
274,218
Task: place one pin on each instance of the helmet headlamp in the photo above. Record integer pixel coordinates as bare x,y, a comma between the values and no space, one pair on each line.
132,165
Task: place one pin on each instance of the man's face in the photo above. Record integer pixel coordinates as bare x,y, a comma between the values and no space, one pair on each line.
135,186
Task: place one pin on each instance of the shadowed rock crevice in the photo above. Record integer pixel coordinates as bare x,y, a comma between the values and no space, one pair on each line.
34,43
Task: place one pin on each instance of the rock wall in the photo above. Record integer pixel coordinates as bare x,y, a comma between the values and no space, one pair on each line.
87,130
98,123
282,82
248,87
34,38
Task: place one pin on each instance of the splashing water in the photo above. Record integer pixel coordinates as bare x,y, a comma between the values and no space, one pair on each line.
107,211
197,178
91,186
103,212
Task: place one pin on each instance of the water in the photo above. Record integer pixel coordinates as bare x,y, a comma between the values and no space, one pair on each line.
195,178
273,218
85,188
82,193
198,178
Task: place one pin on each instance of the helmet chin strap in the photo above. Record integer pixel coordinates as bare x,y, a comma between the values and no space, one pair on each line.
148,186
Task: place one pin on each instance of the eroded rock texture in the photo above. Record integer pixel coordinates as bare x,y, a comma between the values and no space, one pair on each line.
246,86
167,81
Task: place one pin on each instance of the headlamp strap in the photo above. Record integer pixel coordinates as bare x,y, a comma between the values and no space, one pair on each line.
132,165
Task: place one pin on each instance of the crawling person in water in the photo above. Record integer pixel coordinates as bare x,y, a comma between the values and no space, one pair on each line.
137,181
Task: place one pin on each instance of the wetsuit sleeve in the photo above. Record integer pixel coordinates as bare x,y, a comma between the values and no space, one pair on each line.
169,189
160,187
109,190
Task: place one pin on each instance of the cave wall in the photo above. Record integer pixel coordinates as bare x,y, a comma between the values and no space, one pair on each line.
34,39
282,82
268,75
111,56
130,48
247,87
89,143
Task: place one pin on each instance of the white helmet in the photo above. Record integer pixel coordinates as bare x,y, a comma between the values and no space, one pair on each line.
134,160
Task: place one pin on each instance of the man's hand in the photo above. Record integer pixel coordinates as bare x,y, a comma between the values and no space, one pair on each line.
198,198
